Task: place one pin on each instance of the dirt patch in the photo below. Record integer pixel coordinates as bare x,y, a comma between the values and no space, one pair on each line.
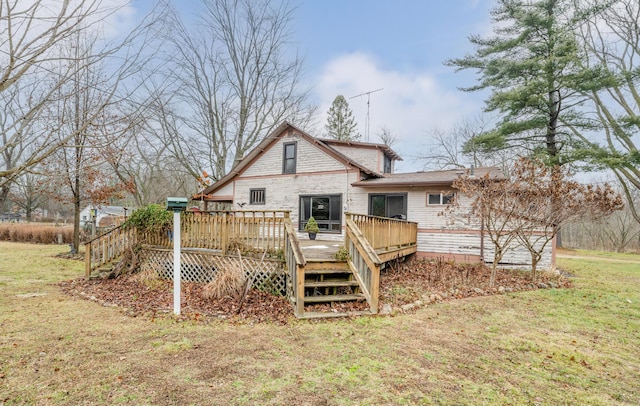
401,286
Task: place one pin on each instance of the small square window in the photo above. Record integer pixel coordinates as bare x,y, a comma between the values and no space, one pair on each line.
433,198
448,198
257,196
440,198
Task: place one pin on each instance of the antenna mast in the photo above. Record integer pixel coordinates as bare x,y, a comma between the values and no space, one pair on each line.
366,123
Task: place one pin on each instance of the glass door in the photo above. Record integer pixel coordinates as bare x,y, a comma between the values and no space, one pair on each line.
325,209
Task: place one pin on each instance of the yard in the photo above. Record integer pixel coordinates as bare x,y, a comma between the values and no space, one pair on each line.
548,346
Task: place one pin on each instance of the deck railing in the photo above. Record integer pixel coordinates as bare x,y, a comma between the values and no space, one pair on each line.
385,234
216,230
107,247
227,230
295,266
363,262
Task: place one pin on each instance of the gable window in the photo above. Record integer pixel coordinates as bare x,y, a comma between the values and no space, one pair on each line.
289,157
257,196
388,205
387,163
440,198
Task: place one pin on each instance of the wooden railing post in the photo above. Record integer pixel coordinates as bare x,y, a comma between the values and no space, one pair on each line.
348,218
87,260
299,290
375,289
295,265
225,225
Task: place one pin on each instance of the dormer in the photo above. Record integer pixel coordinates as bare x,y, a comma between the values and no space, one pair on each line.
379,158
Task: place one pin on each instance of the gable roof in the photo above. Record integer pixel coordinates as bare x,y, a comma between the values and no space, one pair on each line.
273,137
431,178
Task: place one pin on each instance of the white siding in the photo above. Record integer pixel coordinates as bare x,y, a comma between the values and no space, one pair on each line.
283,192
370,158
226,190
461,245
442,233
318,173
309,158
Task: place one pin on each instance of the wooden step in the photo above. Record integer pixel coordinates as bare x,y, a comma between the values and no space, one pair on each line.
330,284
326,271
326,265
333,298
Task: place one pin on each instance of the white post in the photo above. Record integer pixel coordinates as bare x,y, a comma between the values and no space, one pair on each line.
176,262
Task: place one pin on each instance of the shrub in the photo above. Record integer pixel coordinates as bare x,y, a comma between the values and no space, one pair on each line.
311,226
35,233
150,219
229,281
342,254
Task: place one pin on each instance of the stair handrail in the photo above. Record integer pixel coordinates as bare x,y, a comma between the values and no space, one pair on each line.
108,246
296,263
364,262
383,233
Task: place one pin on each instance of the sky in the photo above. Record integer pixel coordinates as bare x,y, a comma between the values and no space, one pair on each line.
351,47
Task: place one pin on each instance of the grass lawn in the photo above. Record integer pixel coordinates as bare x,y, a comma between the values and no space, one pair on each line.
554,346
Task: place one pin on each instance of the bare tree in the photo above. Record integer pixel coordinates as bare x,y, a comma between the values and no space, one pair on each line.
233,83
456,148
492,206
617,232
612,41
386,135
89,115
547,198
36,70
146,163
29,193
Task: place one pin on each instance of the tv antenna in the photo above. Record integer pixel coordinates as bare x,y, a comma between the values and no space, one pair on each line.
366,122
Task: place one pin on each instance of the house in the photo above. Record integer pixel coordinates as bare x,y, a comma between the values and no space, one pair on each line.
292,170
105,216
10,217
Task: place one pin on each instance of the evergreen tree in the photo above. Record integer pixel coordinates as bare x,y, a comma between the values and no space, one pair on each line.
341,124
534,69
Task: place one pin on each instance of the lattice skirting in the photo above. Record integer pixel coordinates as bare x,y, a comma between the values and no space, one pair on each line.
202,266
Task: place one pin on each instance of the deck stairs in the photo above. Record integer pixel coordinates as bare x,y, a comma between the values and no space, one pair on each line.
104,270
329,282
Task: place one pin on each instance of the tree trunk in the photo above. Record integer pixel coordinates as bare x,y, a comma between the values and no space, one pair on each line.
497,256
4,198
76,216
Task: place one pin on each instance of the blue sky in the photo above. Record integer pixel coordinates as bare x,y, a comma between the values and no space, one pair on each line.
351,47
355,46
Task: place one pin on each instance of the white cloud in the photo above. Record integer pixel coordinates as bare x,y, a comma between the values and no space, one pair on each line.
410,104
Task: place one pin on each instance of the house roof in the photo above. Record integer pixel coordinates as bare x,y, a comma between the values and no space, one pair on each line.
387,149
272,137
432,178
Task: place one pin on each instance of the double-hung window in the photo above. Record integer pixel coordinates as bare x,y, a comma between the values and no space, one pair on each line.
289,157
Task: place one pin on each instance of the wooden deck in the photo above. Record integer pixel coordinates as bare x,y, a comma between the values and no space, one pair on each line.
324,247
314,275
